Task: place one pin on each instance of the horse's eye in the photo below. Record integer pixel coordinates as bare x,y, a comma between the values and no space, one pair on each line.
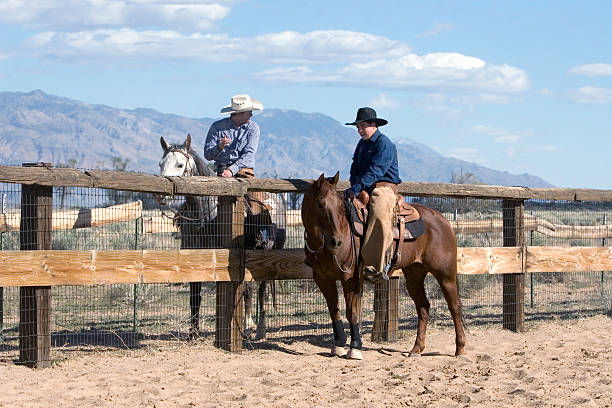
180,165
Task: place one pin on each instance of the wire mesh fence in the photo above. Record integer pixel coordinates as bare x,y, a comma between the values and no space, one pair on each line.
138,315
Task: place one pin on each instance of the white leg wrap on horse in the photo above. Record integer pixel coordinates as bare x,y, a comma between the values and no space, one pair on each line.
354,354
338,351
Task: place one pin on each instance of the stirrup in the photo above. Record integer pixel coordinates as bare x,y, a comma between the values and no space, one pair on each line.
371,272
386,271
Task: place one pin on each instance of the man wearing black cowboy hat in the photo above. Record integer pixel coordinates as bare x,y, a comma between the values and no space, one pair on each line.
375,172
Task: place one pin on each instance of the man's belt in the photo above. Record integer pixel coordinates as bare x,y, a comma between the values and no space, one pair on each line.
393,186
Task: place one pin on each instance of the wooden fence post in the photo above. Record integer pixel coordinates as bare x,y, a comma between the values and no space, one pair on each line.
35,301
230,299
386,310
513,213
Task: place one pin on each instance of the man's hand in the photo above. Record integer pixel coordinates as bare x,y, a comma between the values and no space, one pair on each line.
349,193
224,141
227,173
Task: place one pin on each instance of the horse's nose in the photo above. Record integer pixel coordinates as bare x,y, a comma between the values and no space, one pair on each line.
334,242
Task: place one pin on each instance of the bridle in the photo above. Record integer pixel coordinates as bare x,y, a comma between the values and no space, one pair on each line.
353,254
187,172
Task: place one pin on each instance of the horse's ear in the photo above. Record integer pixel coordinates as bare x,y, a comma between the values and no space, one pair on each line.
334,180
188,142
164,145
320,179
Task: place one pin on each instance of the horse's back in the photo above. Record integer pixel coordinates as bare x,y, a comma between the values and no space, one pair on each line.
438,246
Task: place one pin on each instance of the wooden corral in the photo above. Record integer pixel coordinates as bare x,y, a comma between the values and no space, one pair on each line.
36,268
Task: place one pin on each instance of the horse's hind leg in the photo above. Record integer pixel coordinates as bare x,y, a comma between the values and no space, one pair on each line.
451,294
195,300
260,333
248,305
415,283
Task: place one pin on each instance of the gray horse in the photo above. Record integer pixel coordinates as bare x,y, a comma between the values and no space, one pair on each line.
197,220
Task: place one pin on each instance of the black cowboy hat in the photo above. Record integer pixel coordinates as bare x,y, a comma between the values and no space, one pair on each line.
368,115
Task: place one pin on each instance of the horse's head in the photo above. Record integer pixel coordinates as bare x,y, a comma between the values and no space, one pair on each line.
323,212
176,161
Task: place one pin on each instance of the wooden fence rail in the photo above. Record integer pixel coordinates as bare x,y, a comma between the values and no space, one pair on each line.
148,183
93,267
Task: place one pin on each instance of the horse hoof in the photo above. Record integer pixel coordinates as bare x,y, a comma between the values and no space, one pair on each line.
354,354
411,354
337,351
260,333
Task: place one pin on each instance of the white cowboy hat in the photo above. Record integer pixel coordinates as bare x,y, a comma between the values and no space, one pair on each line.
242,103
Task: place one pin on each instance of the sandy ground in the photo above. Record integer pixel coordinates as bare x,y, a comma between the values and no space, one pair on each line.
555,364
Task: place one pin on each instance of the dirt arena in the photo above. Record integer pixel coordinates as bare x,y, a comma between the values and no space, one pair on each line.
555,364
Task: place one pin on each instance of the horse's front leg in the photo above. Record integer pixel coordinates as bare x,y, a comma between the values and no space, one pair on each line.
352,297
330,292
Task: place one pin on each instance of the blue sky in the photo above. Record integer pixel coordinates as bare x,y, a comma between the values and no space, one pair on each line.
519,86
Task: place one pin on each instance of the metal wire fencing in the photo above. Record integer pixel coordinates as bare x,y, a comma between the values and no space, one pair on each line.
122,316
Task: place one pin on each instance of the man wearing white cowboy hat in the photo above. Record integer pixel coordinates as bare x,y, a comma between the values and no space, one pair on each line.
232,142
375,172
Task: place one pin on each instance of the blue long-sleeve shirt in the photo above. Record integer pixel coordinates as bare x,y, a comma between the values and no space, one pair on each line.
374,160
240,153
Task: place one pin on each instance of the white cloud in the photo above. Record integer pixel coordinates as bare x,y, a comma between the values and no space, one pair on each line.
437,28
470,154
384,101
457,104
545,92
499,135
592,69
69,15
522,149
444,71
138,31
591,94
289,46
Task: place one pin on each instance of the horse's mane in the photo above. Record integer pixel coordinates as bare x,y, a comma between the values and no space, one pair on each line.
203,168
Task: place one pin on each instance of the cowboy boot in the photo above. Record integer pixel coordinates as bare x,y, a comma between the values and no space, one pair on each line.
371,274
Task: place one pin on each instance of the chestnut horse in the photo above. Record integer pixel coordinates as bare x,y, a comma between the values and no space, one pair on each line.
333,253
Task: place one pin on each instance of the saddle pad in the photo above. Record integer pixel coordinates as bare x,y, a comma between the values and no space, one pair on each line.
413,230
